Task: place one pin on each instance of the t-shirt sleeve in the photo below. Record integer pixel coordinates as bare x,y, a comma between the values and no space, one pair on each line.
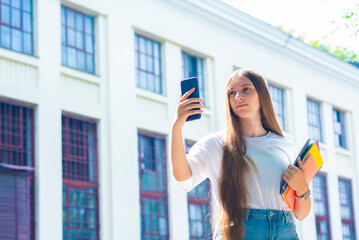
198,160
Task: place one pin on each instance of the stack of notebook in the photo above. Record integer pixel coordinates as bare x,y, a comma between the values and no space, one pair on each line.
312,162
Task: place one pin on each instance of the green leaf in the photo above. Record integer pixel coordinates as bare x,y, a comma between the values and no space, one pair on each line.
350,15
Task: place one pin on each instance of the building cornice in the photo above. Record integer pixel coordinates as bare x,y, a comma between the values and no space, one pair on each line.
231,20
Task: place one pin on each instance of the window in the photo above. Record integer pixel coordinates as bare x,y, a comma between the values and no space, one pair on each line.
198,212
339,130
16,25
16,171
314,125
148,64
77,31
153,217
278,104
198,209
80,179
346,207
192,66
321,207
153,187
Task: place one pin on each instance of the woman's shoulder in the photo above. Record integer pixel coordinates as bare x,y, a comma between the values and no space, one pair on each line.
209,144
215,138
283,141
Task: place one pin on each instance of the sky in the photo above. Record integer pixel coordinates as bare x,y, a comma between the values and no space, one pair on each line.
310,18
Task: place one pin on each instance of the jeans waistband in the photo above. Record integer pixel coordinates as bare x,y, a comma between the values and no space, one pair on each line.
269,214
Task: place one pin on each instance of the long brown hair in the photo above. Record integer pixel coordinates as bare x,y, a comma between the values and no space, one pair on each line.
236,165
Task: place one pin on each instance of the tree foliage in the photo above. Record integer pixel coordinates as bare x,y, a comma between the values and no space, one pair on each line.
340,52
349,21
347,24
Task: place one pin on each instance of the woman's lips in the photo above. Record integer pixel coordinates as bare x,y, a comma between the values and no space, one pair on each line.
241,105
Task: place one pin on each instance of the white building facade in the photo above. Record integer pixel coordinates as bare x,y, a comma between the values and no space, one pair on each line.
88,92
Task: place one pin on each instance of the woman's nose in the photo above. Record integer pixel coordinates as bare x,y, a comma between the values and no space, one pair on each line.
238,96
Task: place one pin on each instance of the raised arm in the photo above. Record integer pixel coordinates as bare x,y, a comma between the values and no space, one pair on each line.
185,108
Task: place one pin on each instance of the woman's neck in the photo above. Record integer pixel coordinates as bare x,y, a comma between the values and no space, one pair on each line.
252,128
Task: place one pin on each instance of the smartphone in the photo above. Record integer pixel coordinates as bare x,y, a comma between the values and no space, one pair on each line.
186,85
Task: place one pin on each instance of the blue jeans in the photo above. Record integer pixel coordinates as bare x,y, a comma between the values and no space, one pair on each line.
266,224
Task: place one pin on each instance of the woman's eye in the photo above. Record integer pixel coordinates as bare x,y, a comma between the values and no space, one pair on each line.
232,93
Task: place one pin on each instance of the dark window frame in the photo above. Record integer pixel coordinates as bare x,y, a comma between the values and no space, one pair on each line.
157,84
350,222
199,73
314,111
21,28
86,184
280,101
148,194
15,168
320,218
339,117
65,45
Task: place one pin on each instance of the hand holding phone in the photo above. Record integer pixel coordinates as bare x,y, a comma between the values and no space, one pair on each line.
186,86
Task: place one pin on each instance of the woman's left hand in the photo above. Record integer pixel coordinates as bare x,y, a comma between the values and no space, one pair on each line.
295,178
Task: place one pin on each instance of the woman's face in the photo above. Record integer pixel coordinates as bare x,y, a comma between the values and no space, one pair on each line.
243,98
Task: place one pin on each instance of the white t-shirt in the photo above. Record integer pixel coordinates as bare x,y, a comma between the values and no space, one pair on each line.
271,154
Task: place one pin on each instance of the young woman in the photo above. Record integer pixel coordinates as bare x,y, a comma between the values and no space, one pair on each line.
245,163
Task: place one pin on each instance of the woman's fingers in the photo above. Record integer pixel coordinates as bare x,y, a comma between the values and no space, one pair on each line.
192,112
192,106
186,95
291,170
285,178
294,177
190,101
287,174
188,106
288,178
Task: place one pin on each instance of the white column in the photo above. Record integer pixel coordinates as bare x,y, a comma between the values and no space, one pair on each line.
123,155
48,175
212,92
328,128
48,125
177,198
49,45
294,110
103,133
